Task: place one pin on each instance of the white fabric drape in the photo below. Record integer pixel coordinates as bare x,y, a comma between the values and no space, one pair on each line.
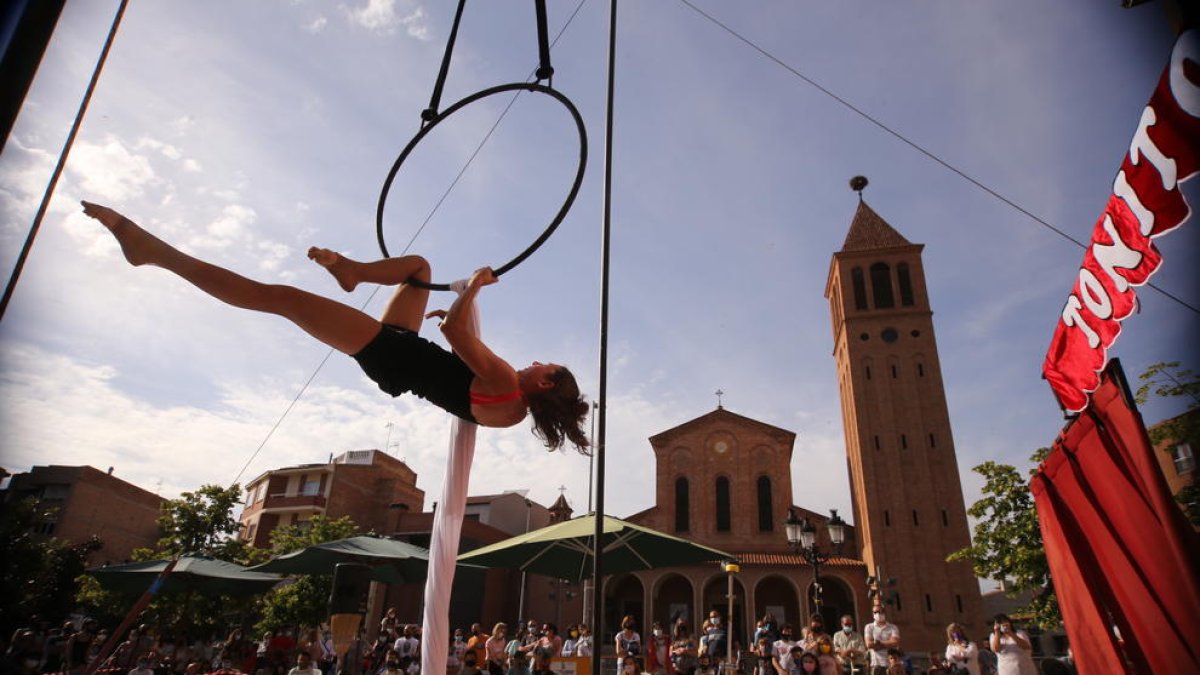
447,528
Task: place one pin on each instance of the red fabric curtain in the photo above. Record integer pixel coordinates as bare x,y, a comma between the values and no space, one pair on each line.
1121,553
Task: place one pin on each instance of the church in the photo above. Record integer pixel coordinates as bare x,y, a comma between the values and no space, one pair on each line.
724,480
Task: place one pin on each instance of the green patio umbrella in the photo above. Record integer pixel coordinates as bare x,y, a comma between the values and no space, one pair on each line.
196,573
564,550
391,561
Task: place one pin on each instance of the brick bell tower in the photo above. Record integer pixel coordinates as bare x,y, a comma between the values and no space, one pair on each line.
904,483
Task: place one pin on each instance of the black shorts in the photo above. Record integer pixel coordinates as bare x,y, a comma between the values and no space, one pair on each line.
400,361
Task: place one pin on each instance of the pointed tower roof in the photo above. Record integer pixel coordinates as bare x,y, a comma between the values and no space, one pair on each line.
869,231
560,511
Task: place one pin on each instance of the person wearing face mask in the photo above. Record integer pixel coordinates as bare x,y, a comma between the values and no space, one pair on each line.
880,636
628,642
658,651
568,648
458,648
683,649
494,649
962,655
583,645
714,640
848,647
781,650
827,663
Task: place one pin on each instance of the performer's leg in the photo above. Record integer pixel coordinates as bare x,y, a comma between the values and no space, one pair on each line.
407,306
339,326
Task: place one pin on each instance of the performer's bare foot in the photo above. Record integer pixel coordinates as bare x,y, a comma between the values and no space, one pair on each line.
137,244
336,265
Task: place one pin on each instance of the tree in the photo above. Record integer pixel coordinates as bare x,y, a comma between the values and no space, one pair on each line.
1168,380
37,577
303,602
200,522
1007,542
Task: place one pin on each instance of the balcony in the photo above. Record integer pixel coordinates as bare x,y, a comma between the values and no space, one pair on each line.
293,502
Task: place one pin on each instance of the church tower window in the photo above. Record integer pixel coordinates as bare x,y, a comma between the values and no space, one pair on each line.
860,288
766,521
724,522
881,286
906,289
682,504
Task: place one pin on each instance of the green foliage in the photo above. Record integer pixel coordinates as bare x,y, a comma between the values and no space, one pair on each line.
318,530
300,603
37,577
202,522
1168,380
1007,542
303,602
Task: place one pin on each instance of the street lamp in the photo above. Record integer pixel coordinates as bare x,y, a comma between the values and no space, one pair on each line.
802,536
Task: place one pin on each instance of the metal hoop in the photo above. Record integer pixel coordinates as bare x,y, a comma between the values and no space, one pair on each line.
440,117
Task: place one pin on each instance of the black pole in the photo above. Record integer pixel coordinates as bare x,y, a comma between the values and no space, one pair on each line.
62,161
598,451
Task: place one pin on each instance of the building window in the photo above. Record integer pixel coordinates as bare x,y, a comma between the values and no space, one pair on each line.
903,441
928,603
906,291
311,487
860,288
958,602
945,518
682,504
893,372
896,598
887,518
766,521
877,442
920,370
915,521
724,523
932,442
868,372
881,286
1185,462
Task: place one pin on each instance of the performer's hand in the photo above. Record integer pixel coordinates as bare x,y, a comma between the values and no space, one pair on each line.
439,314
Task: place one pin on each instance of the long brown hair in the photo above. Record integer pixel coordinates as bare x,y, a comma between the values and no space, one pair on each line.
558,413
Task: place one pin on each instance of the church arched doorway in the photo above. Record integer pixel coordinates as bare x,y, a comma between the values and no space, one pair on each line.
624,596
716,596
836,600
673,601
777,595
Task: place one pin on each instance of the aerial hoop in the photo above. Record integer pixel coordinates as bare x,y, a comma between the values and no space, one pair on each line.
439,118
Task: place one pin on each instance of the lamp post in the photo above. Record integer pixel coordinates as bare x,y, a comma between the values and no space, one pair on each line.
802,536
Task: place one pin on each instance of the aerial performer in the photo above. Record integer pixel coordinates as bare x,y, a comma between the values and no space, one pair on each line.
470,382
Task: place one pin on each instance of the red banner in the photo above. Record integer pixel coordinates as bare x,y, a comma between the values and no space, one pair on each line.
1145,203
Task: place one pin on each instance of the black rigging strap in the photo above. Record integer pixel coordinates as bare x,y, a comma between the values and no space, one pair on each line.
545,71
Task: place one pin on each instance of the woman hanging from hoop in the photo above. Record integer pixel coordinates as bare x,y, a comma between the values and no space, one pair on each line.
471,383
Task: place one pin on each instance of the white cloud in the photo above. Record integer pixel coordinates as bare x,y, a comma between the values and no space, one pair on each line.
380,16
110,170
316,25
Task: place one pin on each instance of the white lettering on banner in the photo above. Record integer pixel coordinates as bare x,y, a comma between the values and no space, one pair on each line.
1185,92
1071,317
1094,296
1145,216
1114,255
1145,203
1143,145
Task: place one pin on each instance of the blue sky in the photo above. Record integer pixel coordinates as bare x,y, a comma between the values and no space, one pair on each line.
245,132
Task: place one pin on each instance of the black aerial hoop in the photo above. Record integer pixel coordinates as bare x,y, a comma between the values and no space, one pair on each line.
437,119
431,118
